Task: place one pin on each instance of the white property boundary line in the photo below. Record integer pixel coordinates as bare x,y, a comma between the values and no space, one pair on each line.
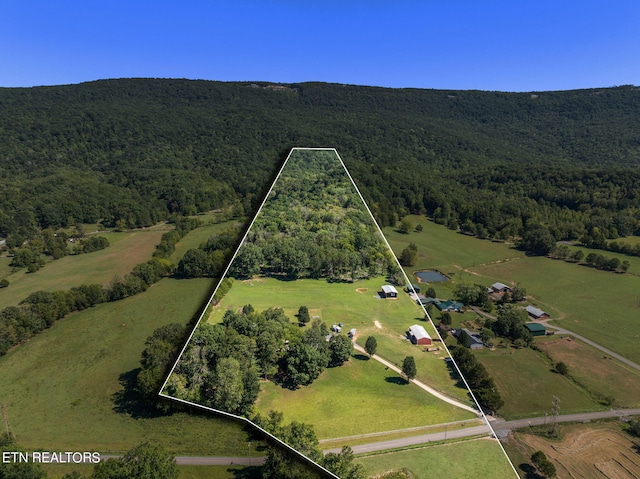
224,275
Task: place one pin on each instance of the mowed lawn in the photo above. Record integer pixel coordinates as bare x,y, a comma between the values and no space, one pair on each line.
478,458
527,384
126,250
359,397
360,385
60,386
596,371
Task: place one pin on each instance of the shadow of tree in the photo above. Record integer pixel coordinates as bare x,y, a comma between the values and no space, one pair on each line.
360,357
129,401
396,380
529,471
247,472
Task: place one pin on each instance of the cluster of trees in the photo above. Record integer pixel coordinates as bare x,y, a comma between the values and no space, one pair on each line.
481,384
91,244
313,225
510,324
473,294
211,257
543,465
283,464
223,362
596,260
409,255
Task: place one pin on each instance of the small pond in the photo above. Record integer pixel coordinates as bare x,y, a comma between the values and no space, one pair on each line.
430,276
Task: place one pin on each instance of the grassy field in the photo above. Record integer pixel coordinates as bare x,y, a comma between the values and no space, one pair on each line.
356,305
60,387
476,458
124,252
195,237
354,399
527,384
56,471
600,374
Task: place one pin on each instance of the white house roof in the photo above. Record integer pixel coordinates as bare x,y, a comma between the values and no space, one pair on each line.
499,286
387,288
418,332
534,311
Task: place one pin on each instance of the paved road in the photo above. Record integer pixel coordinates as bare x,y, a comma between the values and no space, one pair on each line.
430,390
421,439
503,427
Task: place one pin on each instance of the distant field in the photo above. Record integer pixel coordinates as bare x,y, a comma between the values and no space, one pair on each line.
599,373
56,471
527,384
588,451
124,252
445,250
477,458
59,387
194,238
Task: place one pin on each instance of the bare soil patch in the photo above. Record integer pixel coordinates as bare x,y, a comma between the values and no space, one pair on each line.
377,324
361,290
589,451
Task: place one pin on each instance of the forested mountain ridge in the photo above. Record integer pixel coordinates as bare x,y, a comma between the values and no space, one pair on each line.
490,163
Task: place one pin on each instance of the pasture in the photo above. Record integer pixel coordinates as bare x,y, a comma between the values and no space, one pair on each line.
472,458
600,374
61,387
195,237
527,384
124,252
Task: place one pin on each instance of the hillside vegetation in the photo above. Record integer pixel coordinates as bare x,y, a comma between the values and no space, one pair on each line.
131,152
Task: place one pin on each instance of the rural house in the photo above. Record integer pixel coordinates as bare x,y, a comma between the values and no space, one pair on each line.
476,342
389,291
418,335
499,288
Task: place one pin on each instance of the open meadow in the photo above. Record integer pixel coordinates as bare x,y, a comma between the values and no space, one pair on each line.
477,458
125,250
61,387
197,236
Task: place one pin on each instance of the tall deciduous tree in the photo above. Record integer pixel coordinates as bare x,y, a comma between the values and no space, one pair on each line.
371,345
409,367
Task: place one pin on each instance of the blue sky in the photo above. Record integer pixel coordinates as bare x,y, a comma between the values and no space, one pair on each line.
450,44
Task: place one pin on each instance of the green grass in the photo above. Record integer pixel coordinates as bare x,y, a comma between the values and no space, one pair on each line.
527,384
445,250
124,252
56,471
355,399
597,372
478,458
59,387
333,401
195,237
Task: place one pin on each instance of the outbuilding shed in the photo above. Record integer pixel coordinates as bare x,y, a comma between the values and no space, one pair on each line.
418,335
536,313
389,291
536,329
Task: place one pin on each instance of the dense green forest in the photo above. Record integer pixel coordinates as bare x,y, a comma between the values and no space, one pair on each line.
131,152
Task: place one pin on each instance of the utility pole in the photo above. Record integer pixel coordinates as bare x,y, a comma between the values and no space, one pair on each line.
8,434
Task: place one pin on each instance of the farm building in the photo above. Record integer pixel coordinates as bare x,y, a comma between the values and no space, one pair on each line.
413,288
449,305
389,291
352,333
536,329
476,342
499,288
418,335
536,313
